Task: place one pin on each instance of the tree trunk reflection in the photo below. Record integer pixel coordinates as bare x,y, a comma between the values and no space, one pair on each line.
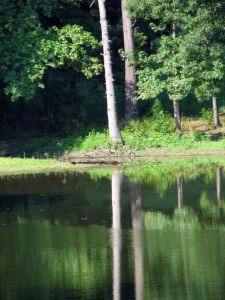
136,208
182,233
116,184
180,189
218,183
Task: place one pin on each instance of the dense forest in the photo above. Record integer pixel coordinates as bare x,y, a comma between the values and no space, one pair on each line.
163,53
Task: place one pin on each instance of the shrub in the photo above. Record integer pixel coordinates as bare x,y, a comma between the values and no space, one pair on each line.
207,116
96,141
201,136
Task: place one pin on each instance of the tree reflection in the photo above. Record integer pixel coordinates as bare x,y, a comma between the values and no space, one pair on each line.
218,183
136,208
116,184
212,207
180,198
180,189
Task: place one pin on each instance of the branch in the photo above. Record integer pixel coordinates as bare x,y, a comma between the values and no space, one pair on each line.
92,3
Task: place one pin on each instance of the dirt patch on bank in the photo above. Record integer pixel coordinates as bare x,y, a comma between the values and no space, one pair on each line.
201,126
121,157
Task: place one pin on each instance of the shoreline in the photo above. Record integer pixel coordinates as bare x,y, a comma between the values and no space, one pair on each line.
23,166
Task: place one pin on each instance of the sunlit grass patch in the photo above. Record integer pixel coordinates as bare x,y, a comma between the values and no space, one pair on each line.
31,165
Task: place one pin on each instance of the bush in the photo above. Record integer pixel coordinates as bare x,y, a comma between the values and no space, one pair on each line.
207,116
201,136
96,141
163,123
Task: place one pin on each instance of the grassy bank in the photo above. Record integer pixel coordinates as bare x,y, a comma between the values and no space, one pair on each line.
139,168
17,166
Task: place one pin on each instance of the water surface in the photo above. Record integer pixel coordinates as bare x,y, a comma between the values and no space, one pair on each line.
86,236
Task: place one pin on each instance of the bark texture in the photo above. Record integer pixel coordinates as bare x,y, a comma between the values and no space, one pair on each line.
216,119
114,131
176,111
131,105
176,115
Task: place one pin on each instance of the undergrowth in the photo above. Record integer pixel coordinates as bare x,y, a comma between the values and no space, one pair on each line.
138,135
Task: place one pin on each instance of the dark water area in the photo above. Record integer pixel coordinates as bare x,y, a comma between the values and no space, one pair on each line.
112,236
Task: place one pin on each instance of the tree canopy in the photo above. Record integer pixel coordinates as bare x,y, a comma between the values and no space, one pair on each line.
28,49
51,54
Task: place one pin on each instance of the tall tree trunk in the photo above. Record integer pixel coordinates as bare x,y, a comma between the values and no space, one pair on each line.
114,131
176,111
116,184
216,119
131,105
176,115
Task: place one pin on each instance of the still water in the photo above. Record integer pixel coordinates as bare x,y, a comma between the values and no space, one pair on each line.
113,236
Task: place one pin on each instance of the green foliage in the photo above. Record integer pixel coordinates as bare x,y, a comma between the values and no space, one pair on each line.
156,132
49,48
38,147
163,123
201,136
28,50
160,122
165,70
188,53
66,145
96,141
207,116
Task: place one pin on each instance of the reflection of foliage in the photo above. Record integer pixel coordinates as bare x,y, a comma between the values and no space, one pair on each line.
184,264
211,211
100,173
62,256
158,174
185,217
210,175
163,174
181,218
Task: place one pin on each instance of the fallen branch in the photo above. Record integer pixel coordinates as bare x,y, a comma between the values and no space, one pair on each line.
95,161
101,153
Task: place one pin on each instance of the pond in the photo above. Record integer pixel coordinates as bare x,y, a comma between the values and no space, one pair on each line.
113,234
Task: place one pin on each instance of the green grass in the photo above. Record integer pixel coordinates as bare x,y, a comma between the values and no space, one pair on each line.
17,166
137,170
